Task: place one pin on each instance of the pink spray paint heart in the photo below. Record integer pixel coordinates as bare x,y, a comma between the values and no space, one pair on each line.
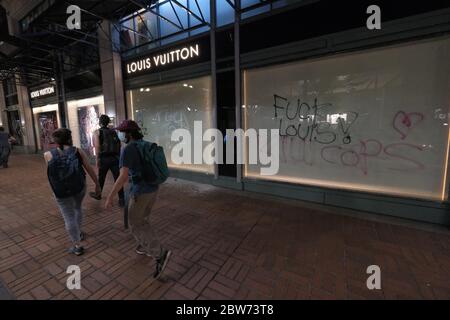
404,122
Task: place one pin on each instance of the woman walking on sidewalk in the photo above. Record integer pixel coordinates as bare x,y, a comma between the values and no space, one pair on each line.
66,166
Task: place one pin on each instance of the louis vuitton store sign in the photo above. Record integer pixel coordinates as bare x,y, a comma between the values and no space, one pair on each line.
173,57
42,92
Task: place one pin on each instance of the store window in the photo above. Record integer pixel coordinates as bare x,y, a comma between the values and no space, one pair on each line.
47,121
159,110
374,121
84,117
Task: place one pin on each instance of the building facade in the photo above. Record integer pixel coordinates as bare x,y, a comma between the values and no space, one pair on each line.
362,114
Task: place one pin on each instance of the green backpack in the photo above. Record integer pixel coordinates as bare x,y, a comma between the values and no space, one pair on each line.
155,169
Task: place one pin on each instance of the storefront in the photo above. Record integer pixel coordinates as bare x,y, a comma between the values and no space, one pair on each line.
45,115
171,89
363,121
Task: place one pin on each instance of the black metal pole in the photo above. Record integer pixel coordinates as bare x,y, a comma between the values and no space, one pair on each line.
33,122
61,94
237,75
214,74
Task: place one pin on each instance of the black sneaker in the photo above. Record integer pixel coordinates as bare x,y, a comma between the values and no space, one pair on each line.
95,196
82,236
161,263
78,251
140,250
121,203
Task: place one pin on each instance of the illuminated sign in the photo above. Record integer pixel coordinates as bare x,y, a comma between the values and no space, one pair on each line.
163,59
172,57
42,92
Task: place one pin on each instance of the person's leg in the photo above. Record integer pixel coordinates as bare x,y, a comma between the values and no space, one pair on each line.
79,211
102,172
1,156
7,152
116,172
154,247
67,208
138,212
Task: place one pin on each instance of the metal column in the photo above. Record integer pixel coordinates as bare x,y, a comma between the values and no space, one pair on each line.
214,74
237,75
61,91
33,122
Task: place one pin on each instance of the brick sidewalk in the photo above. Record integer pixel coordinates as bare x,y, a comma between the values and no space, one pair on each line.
227,245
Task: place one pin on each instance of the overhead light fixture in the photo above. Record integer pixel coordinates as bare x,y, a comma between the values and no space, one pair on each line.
142,89
185,85
147,90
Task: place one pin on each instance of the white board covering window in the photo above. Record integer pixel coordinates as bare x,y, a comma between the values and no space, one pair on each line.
159,110
372,121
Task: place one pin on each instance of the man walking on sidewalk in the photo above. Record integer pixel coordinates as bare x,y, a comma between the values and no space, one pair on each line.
5,147
139,162
107,149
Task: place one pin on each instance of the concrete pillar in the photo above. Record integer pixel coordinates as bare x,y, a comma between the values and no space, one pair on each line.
111,68
26,115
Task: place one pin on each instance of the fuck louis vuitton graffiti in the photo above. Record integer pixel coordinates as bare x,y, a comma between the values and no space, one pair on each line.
312,124
306,129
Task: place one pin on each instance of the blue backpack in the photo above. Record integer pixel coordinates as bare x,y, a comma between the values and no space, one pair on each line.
155,169
65,173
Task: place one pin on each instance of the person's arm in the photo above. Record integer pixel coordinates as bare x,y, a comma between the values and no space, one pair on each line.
119,184
89,170
47,157
97,147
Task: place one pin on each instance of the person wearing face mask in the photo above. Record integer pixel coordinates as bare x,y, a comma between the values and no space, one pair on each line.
144,185
122,137
107,149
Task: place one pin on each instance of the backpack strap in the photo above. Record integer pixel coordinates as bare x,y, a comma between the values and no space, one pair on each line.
55,154
74,150
135,144
141,156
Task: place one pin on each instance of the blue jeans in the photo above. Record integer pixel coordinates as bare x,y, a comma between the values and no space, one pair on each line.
72,213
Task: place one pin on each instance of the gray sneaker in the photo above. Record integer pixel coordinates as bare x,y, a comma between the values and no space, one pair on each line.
78,251
140,250
161,263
